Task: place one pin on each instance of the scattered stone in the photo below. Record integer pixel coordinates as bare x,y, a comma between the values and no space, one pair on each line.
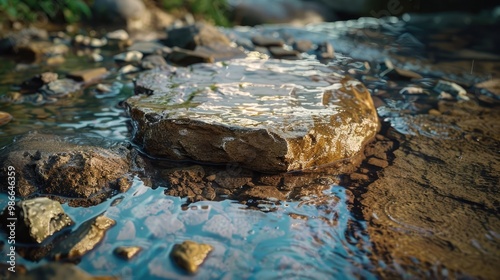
49,164
412,90
267,41
60,88
56,270
220,51
192,126
190,255
434,112
119,35
95,57
88,74
5,118
378,162
84,239
199,34
150,47
153,61
388,70
233,180
128,69
325,51
41,50
38,219
130,56
13,40
262,193
492,86
445,87
186,57
279,52
359,177
103,88
302,45
98,43
38,81
127,252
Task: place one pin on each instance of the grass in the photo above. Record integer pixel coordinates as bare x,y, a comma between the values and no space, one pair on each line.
69,11
216,11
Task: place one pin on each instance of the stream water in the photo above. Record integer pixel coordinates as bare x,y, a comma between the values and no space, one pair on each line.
294,239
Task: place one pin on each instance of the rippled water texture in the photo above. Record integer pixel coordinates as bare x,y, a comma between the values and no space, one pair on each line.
287,239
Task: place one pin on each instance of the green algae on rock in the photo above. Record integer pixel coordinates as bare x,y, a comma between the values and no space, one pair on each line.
266,115
190,255
39,219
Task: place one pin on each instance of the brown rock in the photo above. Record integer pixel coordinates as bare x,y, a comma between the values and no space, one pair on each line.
262,193
48,164
5,118
279,52
358,177
88,74
231,122
378,162
302,45
126,252
267,41
199,34
39,50
55,270
186,57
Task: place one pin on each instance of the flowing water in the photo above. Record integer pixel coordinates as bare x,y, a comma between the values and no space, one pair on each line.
297,239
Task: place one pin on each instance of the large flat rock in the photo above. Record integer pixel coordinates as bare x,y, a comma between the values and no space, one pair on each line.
266,115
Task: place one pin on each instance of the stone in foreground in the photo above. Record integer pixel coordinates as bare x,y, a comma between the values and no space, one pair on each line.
38,218
266,115
190,255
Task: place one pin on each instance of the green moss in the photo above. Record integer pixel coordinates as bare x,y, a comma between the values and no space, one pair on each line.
214,10
69,11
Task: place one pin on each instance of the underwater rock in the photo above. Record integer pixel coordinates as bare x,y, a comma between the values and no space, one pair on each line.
272,121
60,88
56,271
37,219
35,83
84,239
88,75
48,164
127,252
189,255
5,118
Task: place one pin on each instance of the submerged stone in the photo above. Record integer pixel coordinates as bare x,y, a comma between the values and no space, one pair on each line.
84,239
266,115
38,218
190,255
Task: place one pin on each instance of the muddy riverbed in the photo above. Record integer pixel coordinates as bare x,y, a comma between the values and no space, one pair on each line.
419,200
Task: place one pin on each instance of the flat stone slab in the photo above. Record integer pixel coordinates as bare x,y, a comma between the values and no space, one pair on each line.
266,115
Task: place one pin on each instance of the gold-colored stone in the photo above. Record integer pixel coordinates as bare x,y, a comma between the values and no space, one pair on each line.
127,252
190,255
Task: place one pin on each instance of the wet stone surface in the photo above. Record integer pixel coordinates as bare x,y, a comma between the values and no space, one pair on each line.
274,120
79,174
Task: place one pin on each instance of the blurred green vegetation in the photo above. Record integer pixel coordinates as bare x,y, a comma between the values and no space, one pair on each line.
214,10
69,11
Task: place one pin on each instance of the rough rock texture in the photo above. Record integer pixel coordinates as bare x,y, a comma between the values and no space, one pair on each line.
435,209
37,218
84,239
275,120
190,255
48,164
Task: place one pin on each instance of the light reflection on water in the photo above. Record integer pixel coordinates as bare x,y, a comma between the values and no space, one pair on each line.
247,243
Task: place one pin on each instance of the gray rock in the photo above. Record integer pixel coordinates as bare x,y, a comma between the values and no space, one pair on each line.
60,88
113,10
130,56
149,47
279,52
153,61
275,120
195,35
48,164
267,41
185,57
37,219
